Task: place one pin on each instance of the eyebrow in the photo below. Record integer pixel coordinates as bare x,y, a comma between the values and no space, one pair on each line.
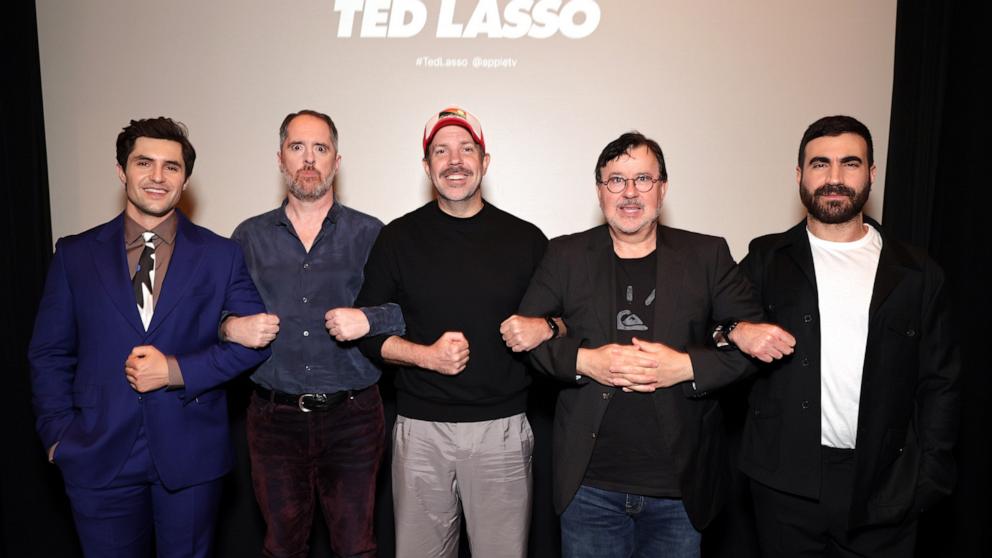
152,159
846,159
301,142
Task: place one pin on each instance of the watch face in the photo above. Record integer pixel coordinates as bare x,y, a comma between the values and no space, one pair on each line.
720,337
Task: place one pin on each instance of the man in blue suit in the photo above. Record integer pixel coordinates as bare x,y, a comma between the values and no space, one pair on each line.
127,370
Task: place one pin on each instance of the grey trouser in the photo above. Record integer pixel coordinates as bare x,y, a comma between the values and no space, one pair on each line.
443,468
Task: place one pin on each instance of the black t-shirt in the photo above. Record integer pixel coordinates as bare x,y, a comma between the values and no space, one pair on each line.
629,455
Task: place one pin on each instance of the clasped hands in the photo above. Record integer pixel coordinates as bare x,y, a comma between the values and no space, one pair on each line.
642,366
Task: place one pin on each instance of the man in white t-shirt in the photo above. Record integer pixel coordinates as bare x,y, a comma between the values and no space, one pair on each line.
850,427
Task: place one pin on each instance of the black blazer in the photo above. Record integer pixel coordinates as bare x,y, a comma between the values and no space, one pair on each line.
908,418
697,285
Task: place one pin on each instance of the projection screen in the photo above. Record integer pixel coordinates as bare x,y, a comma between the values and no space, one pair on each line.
727,88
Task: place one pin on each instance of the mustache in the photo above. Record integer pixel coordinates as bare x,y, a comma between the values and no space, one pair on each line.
834,189
456,169
630,203
309,168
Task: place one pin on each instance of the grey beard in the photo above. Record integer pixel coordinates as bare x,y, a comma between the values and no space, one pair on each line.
300,192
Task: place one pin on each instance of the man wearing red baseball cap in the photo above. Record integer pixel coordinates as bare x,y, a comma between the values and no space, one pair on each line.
458,267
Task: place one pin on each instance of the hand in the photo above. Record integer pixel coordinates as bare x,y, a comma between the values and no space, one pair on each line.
346,324
765,342
254,331
600,363
673,367
448,355
146,369
523,334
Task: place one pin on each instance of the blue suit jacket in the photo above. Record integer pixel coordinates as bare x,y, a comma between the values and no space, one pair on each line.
88,323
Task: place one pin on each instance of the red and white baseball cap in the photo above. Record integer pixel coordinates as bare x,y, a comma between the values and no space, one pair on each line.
454,116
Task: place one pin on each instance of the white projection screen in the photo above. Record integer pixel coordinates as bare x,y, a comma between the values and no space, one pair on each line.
726,87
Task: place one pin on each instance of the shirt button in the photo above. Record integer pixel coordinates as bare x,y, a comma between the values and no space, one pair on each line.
307,367
807,318
593,435
306,266
304,300
306,334
806,404
805,361
606,395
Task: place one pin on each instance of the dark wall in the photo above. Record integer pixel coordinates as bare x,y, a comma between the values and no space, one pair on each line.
937,191
34,519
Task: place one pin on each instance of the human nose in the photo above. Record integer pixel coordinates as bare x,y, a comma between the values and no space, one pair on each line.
158,175
630,188
835,174
309,156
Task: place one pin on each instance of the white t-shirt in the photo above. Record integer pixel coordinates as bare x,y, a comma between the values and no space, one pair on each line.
845,279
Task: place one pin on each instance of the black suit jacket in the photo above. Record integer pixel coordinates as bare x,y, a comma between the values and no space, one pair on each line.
908,417
697,285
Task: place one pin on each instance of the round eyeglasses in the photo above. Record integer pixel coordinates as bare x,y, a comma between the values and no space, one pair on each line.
617,184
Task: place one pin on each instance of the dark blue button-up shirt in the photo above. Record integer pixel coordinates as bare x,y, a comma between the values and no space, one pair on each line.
300,287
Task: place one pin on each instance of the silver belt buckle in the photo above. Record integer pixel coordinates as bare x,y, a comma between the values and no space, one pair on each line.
319,399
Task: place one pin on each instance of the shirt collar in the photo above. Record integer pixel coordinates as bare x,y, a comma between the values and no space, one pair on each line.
166,230
332,214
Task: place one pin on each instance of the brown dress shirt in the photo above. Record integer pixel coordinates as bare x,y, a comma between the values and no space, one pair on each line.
165,242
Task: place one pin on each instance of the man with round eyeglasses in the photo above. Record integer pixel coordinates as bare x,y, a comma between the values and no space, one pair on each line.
638,454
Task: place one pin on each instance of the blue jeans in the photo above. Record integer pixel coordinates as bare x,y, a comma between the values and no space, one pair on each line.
605,524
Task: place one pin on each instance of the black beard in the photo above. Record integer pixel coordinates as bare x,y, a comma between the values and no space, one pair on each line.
834,212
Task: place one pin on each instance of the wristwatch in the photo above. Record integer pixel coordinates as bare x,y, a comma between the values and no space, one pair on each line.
553,325
721,335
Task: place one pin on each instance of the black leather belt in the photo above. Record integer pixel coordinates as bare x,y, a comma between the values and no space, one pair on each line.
308,402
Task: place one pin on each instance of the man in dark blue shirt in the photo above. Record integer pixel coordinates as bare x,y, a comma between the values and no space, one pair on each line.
315,423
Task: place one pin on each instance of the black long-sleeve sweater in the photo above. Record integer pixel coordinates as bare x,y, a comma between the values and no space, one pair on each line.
454,274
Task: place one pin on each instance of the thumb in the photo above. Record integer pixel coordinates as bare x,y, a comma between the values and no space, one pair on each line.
644,346
140,351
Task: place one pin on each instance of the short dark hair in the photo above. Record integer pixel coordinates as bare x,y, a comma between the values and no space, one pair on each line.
623,146
159,127
284,127
834,126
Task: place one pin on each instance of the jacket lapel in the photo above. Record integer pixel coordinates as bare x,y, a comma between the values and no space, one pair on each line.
891,270
110,260
187,255
799,251
599,263
670,276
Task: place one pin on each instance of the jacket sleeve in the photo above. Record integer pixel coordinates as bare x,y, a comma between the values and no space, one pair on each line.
937,412
206,369
545,297
52,353
731,297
